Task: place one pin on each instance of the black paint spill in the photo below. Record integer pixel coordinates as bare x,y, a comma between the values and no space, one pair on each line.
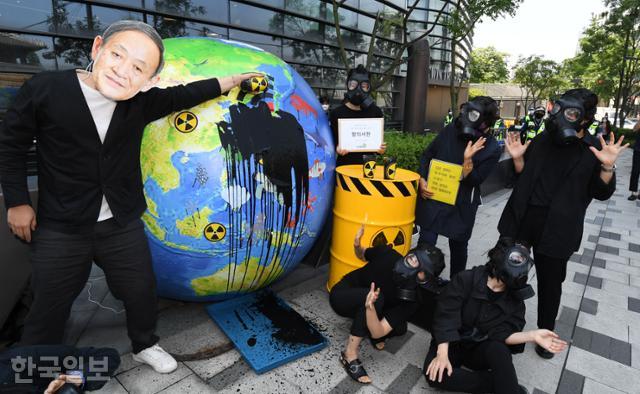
258,141
289,327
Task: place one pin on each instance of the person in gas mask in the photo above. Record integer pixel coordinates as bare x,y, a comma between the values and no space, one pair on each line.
382,295
533,125
357,103
468,142
559,173
478,324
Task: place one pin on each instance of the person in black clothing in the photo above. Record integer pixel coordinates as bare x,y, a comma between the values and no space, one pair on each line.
89,181
478,324
31,369
468,142
357,104
381,296
560,172
635,165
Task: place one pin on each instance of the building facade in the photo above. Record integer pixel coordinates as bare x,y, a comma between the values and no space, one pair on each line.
38,35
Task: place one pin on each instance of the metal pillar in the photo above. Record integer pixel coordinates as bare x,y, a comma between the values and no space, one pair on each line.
416,87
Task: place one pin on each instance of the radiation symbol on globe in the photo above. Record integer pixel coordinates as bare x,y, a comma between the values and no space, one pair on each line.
239,187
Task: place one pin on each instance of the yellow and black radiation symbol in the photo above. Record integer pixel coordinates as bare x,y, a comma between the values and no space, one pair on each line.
391,236
368,167
214,232
259,84
186,122
390,171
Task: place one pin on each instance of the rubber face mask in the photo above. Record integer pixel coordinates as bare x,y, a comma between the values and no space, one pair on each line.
472,121
565,121
538,115
404,276
359,89
514,270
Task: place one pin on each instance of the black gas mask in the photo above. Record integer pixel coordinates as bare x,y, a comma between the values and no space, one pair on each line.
539,114
513,271
565,120
359,88
473,121
405,272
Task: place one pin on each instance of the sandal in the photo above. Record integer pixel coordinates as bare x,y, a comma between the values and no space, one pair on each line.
377,342
354,368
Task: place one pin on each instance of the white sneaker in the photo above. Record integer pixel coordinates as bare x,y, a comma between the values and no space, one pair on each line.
157,358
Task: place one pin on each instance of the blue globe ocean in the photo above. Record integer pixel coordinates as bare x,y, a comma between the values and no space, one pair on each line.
239,187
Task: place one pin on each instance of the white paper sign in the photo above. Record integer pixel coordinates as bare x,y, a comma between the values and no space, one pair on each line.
360,134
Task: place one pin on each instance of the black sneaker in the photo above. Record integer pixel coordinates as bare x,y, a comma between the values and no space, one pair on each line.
632,197
544,353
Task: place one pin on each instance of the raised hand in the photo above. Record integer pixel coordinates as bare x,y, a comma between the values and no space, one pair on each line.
472,149
514,145
609,152
372,297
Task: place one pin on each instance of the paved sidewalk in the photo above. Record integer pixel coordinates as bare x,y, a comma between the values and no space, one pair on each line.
600,313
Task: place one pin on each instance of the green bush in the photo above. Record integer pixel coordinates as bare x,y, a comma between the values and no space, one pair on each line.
407,147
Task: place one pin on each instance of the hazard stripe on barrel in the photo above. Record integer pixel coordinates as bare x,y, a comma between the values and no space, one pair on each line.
373,187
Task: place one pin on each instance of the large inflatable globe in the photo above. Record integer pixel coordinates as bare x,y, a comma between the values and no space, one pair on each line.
238,187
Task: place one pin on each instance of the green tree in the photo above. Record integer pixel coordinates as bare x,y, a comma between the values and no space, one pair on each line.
488,66
462,20
538,77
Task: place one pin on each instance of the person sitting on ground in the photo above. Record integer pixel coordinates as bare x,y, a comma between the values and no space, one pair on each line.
478,324
381,296
56,369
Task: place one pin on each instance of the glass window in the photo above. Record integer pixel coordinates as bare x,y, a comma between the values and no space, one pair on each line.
314,8
268,43
203,30
347,17
132,3
28,15
331,57
88,20
371,6
217,11
311,74
256,18
26,53
333,77
302,28
301,52
72,52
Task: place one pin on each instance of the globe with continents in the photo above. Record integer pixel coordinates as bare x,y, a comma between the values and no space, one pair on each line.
238,187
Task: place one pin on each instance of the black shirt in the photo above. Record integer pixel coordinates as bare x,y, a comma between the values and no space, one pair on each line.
465,310
379,270
74,168
557,159
344,112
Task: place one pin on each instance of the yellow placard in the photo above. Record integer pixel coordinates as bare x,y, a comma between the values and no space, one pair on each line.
444,180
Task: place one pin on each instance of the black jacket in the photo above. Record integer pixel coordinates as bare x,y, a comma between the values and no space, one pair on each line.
74,168
464,311
565,220
456,221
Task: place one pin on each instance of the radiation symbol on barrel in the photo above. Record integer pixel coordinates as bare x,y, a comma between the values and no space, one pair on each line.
390,171
185,122
368,168
254,85
214,232
391,236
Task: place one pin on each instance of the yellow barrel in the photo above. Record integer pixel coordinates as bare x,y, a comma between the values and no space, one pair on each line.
386,207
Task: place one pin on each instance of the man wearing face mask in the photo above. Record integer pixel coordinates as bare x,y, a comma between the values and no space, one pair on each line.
358,103
468,142
547,212
382,295
89,127
533,125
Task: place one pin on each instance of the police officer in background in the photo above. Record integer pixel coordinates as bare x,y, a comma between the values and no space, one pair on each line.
533,125
449,118
358,103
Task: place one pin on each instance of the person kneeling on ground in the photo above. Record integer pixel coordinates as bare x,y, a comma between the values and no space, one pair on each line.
381,296
478,322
